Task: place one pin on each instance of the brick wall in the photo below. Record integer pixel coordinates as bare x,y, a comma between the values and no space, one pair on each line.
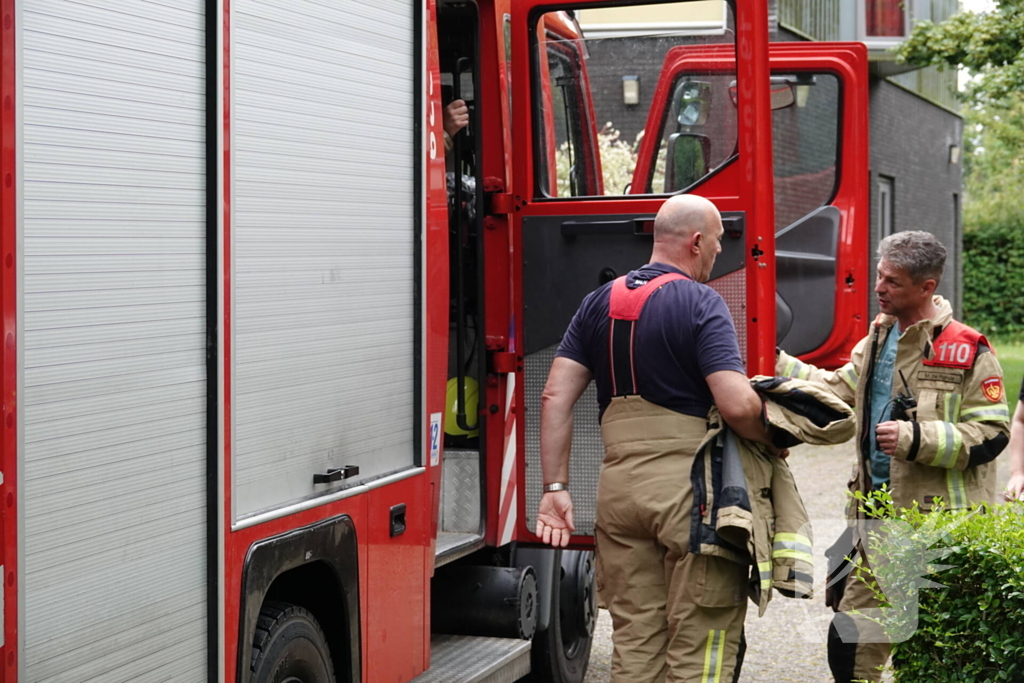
610,60
910,140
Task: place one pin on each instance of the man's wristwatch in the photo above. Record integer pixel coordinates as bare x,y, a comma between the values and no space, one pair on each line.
557,486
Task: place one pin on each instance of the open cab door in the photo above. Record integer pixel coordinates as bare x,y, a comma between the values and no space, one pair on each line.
819,94
568,237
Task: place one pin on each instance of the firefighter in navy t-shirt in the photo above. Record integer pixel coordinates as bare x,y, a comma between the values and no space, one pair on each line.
662,349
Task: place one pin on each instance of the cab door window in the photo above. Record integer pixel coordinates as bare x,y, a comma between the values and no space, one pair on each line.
699,134
805,140
570,167
595,75
805,145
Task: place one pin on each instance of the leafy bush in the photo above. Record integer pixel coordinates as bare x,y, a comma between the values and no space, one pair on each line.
618,162
993,278
993,267
968,629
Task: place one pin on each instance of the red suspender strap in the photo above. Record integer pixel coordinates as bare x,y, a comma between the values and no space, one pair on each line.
624,308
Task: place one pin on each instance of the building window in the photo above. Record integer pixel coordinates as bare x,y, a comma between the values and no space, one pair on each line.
885,206
885,18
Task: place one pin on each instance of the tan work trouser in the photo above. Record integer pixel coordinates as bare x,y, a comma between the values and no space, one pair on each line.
677,617
858,647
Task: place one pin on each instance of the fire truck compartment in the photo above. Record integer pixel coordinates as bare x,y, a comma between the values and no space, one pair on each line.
324,271
474,659
112,384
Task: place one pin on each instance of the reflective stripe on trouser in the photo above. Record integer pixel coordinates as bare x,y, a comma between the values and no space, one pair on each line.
860,648
676,616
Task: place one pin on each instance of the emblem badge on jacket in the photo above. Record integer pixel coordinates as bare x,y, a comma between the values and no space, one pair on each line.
993,389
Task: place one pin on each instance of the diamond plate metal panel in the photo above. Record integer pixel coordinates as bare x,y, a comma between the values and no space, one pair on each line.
451,547
460,492
587,448
472,659
733,288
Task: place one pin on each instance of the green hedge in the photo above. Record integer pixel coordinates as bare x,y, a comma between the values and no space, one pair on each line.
993,279
970,630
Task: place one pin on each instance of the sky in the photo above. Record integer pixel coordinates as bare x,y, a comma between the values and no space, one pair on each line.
973,6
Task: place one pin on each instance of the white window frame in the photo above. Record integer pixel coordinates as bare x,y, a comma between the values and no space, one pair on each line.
886,206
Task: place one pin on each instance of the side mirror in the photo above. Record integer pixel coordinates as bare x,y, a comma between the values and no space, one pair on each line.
780,93
687,160
691,103
782,96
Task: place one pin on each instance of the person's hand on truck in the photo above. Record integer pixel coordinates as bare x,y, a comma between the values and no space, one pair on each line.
455,117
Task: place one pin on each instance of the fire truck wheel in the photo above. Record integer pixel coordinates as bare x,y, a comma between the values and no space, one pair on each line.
561,653
289,647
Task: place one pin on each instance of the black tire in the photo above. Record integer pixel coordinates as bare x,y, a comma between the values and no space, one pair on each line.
289,647
561,653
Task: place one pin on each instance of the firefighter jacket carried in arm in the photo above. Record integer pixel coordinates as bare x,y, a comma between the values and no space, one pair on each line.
945,450
746,504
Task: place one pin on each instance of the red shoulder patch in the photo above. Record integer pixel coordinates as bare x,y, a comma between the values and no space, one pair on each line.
993,389
955,347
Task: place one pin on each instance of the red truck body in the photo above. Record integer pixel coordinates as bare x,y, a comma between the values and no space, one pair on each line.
243,278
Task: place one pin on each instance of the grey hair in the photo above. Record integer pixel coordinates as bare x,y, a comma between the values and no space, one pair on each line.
916,252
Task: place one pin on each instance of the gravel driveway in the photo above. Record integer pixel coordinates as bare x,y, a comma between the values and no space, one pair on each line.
780,645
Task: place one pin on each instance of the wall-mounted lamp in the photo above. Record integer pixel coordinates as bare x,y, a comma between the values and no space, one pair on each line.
631,90
954,154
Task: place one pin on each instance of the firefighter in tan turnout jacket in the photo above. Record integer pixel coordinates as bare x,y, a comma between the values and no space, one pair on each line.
942,449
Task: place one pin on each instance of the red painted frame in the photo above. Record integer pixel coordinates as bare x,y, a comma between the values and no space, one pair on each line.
848,61
754,166
502,412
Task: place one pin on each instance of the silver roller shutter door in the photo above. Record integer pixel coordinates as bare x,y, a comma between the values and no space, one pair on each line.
112,313
323,238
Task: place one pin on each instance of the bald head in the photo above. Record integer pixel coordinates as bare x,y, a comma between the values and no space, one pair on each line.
683,215
687,234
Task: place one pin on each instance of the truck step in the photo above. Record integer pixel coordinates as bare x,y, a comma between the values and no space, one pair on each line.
452,545
475,659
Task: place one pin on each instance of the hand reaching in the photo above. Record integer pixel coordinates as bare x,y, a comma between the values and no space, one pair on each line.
1014,488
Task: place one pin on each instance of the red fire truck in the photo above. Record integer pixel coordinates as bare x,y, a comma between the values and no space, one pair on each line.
241,273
